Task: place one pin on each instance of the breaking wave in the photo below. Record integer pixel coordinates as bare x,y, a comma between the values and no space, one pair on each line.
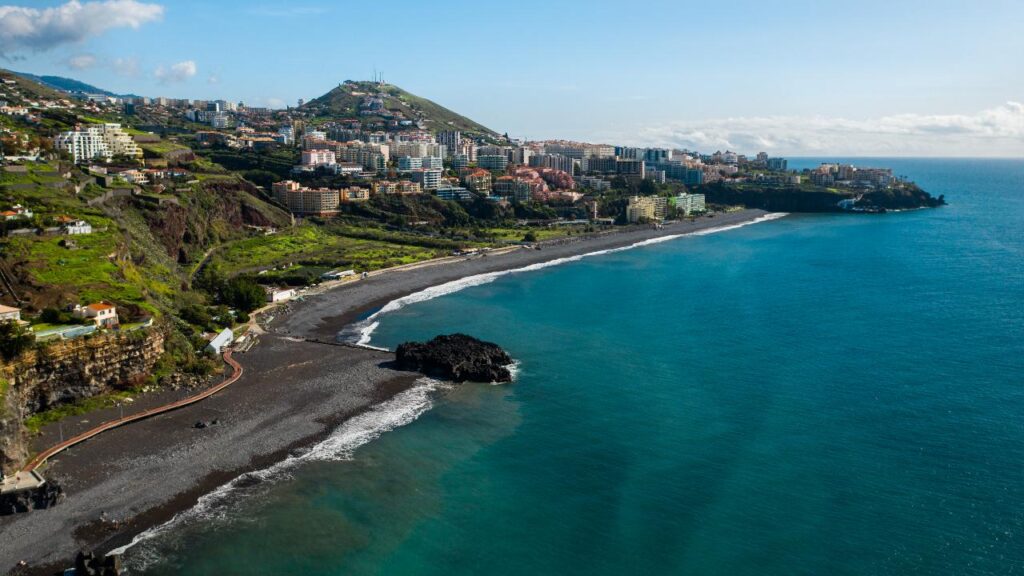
357,431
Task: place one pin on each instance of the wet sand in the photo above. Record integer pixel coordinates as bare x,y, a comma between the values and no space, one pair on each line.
296,389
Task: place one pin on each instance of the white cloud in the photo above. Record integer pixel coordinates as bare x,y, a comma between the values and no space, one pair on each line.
179,72
81,61
996,131
275,103
126,66
35,29
213,79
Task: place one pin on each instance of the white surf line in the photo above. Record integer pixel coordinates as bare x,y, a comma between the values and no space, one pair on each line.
402,409
366,328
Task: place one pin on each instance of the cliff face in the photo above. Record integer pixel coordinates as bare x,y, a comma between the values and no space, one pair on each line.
798,200
67,371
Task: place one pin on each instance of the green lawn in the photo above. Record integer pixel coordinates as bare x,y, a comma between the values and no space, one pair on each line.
314,245
516,234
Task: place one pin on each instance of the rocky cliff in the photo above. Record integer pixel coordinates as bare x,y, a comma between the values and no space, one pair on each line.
793,199
65,372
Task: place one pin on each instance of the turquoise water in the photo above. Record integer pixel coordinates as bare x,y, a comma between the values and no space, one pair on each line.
812,395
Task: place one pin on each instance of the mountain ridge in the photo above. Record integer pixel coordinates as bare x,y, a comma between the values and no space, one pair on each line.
65,84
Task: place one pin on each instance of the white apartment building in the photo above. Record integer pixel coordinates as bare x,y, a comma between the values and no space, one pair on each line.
689,203
427,178
100,141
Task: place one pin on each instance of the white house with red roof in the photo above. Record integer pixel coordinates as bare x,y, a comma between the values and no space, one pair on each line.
104,314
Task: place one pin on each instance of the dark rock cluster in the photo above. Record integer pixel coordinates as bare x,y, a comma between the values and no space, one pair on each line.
39,498
89,564
456,357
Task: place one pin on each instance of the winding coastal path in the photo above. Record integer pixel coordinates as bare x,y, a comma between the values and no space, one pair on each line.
111,424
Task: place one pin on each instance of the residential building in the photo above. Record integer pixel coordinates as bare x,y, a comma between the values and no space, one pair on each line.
103,314
596,184
451,140
689,203
777,164
17,211
9,314
646,208
83,145
400,187
316,158
408,163
449,191
427,178
556,161
306,201
355,194
599,164
478,180
512,188
628,168
492,161
77,227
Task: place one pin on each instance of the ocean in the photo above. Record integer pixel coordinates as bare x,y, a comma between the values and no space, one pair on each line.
817,394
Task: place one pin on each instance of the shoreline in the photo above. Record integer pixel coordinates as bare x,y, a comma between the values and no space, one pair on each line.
160,469
322,315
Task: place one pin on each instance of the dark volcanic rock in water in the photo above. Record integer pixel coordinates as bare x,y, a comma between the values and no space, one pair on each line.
456,357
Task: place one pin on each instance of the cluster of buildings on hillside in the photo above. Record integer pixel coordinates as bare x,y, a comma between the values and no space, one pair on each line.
307,201
97,142
851,176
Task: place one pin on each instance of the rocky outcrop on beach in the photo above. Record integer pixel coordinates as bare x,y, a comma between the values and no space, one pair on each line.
456,357
64,372
89,564
49,494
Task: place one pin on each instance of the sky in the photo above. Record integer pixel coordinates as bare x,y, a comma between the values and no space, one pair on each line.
867,78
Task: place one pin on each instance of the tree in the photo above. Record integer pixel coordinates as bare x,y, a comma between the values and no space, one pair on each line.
647,188
14,340
530,236
244,293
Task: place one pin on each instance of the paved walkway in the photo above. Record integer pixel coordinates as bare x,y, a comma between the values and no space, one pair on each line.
109,425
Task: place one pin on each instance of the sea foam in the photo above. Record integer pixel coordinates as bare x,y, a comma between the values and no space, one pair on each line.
403,408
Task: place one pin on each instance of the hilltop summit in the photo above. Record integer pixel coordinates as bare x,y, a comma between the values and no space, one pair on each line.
367,99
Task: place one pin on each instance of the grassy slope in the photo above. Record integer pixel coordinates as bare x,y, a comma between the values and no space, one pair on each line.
313,245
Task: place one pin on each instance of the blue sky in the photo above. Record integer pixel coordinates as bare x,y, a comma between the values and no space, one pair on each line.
913,78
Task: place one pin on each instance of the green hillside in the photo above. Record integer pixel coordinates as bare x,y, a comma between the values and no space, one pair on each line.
349,101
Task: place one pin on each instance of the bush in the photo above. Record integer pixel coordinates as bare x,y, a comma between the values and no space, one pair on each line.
14,340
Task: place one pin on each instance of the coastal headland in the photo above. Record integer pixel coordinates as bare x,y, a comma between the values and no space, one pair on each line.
297,388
